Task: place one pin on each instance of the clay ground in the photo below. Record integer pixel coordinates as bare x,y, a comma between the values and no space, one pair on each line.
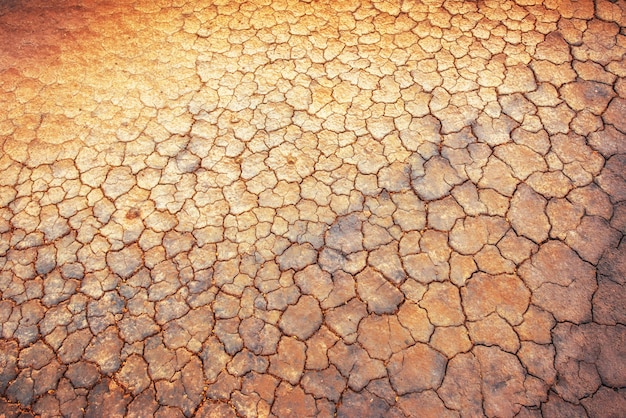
290,208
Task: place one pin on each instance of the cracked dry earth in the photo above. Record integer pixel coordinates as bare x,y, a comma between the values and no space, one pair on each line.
291,209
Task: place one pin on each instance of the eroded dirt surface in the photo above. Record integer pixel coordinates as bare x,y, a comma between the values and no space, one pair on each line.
289,208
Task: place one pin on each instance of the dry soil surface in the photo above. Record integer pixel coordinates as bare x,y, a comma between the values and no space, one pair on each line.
312,208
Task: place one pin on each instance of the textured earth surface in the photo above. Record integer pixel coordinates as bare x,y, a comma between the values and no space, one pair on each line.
288,208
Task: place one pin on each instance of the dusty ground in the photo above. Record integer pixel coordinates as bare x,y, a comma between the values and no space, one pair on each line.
290,208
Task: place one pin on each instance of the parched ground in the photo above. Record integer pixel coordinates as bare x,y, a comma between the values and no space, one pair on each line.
290,208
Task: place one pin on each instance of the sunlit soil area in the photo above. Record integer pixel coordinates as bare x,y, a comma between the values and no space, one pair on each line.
312,208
